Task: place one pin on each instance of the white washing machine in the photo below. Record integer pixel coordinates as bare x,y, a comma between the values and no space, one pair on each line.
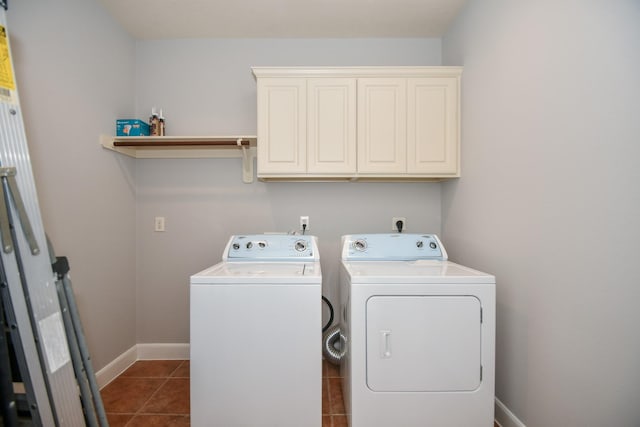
420,334
256,335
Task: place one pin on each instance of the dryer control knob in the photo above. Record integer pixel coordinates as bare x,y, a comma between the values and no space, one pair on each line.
249,245
236,246
433,245
301,245
360,245
419,243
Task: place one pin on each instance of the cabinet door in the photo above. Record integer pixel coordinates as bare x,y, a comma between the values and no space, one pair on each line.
331,125
282,129
382,113
432,126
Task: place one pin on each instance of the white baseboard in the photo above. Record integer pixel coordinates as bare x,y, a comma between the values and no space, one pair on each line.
140,352
107,374
163,351
506,418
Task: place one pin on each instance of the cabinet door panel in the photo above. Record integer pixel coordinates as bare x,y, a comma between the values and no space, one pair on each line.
382,125
281,125
432,125
331,141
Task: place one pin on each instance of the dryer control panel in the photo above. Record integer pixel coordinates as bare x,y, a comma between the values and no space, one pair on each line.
271,247
392,247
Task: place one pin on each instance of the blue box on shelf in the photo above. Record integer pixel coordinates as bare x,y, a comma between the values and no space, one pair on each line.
131,127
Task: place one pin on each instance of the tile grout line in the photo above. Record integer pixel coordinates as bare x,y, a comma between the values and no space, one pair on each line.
166,380
139,411
333,416
176,369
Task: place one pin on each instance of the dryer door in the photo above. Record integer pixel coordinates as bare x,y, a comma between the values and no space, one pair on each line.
423,343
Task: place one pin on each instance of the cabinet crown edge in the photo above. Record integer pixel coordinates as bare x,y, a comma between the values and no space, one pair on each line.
397,71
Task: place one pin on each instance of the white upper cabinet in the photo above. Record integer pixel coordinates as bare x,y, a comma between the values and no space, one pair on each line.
382,128
282,125
433,126
384,123
307,126
331,126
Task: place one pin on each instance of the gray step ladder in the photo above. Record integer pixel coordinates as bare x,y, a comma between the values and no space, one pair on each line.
41,341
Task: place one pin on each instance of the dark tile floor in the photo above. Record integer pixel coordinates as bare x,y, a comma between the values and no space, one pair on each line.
149,393
333,413
156,393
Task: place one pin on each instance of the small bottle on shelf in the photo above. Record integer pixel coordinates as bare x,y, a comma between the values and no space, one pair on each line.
154,122
161,125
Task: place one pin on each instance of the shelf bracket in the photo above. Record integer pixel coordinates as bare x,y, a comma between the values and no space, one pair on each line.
247,163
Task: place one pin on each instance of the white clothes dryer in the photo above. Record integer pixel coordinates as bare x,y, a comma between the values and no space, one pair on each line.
419,333
256,335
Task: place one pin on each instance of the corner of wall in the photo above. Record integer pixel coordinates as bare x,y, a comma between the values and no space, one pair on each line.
504,417
155,351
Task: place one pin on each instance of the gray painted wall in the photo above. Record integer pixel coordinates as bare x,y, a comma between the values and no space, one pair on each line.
78,71
206,87
549,201
75,73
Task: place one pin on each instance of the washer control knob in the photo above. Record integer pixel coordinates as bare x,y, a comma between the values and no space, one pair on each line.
433,245
262,245
419,243
249,245
301,245
360,245
236,246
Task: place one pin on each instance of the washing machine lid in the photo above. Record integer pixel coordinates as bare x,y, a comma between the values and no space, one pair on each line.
260,273
419,271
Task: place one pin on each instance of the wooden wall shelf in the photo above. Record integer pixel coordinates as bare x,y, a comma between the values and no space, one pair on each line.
187,147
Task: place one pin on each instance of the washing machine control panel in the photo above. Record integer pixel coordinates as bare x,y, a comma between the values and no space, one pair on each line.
390,247
271,247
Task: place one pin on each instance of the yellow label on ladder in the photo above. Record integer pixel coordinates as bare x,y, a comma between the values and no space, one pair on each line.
6,71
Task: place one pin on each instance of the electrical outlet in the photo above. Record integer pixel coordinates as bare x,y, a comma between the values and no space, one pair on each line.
394,223
159,223
304,223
